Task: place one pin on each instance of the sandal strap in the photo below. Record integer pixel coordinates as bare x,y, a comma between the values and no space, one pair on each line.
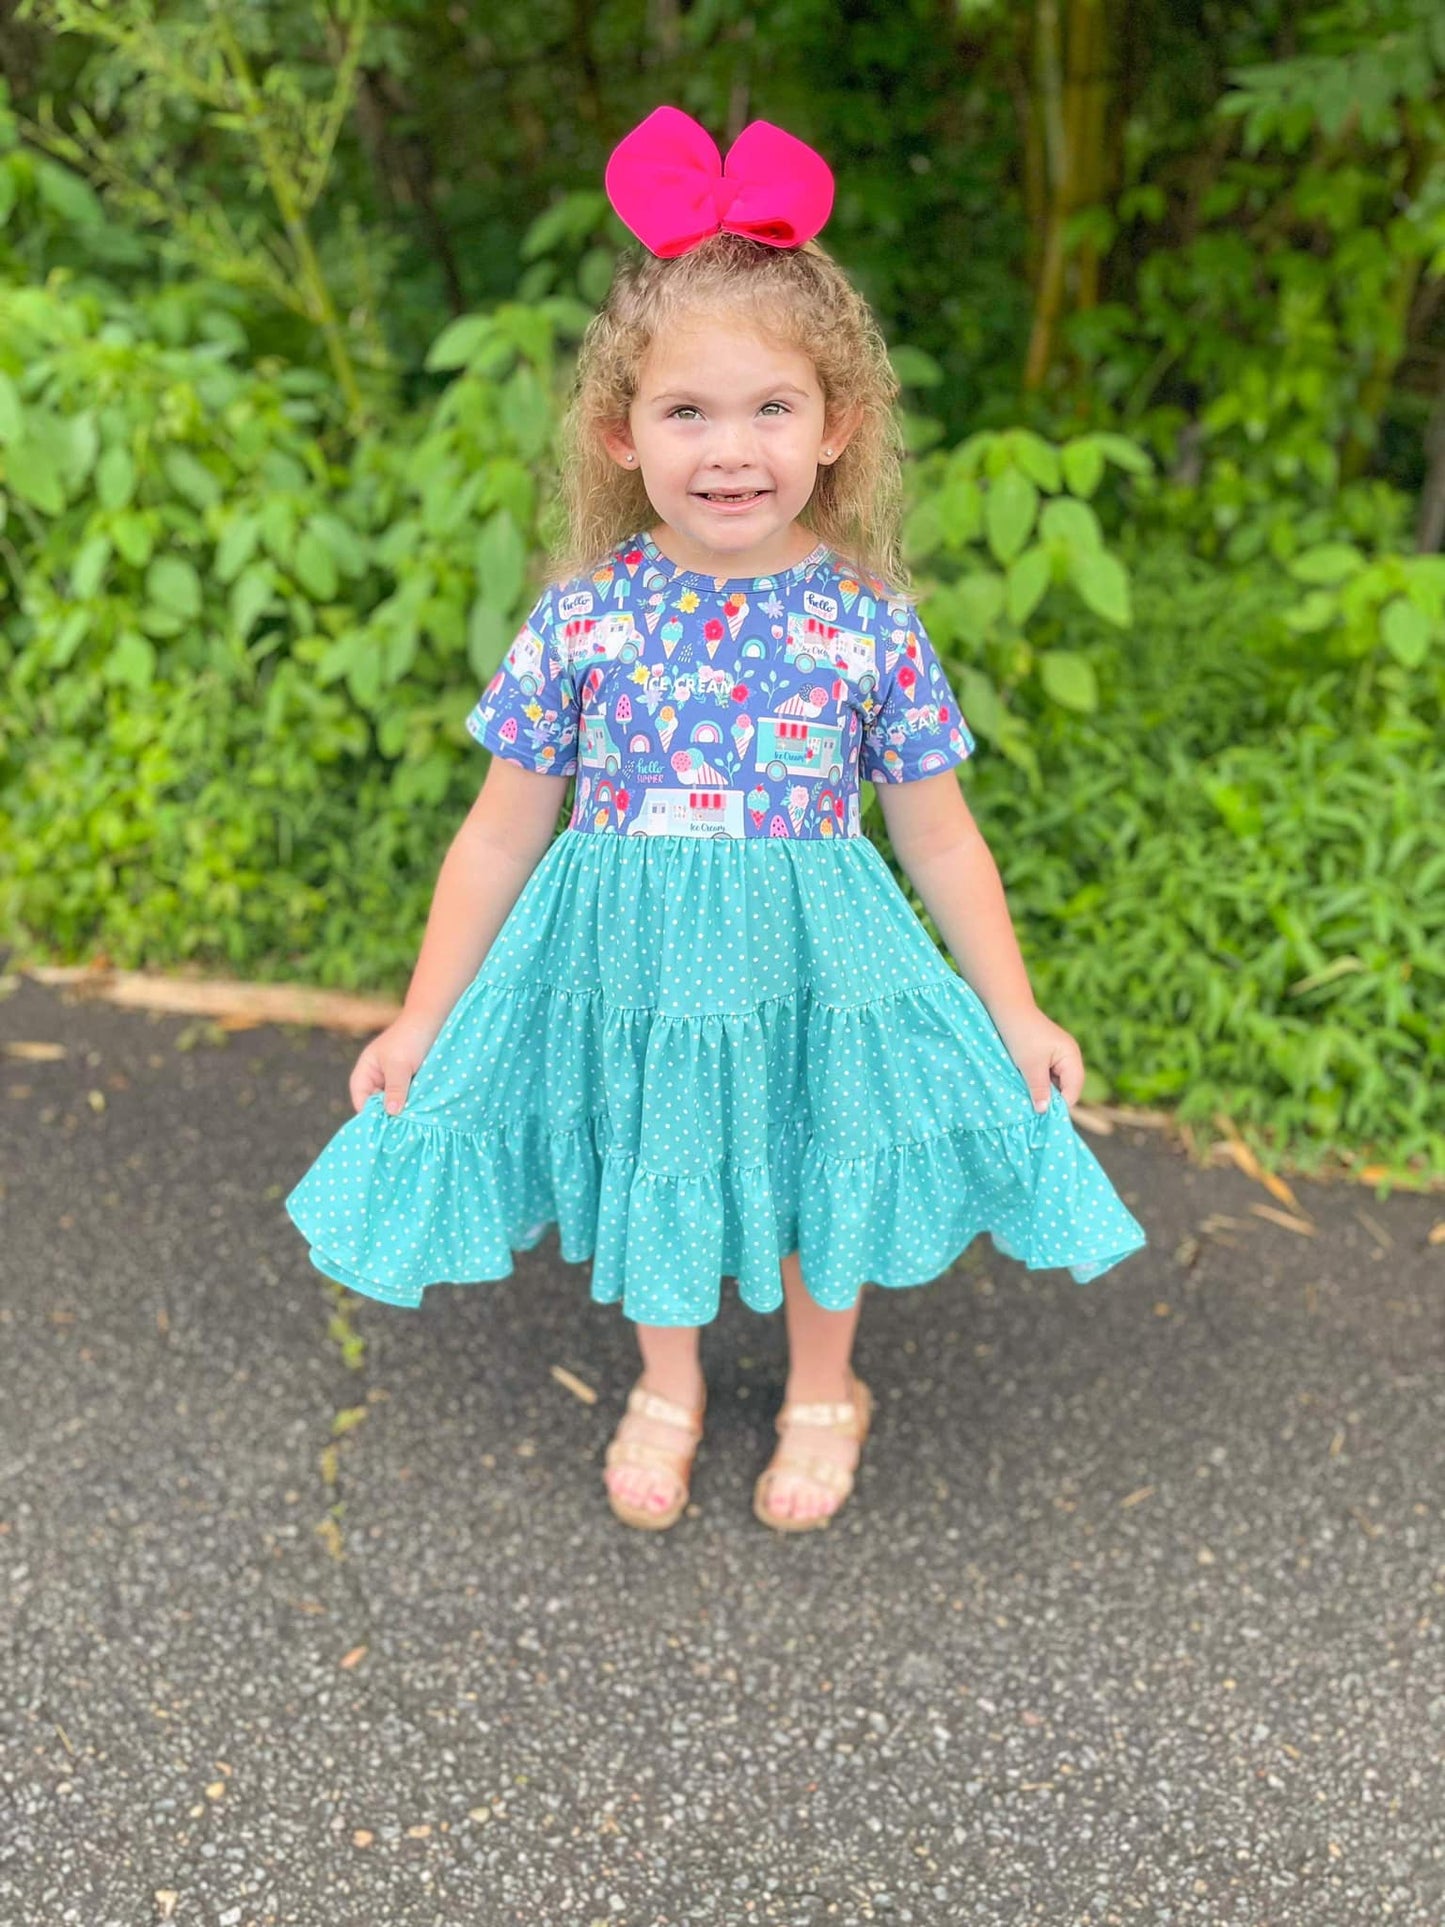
821,1471
644,1452
650,1405
842,1415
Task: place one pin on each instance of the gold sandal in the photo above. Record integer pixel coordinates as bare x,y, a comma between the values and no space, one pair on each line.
852,1417
647,1452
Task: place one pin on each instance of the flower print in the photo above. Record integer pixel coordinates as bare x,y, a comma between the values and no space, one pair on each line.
532,710
773,607
641,672
687,601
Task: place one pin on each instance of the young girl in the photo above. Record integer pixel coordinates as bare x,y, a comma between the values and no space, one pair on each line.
701,1031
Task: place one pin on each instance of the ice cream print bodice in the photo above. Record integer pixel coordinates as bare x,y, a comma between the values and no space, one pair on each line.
688,705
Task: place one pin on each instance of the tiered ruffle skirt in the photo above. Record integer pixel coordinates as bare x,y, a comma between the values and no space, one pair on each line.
694,1056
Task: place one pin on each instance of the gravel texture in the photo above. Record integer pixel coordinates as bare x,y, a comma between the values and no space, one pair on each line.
315,1612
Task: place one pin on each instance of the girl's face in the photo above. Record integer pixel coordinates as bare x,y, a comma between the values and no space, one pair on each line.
728,432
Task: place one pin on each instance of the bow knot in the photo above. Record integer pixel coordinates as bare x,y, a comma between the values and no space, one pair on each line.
673,189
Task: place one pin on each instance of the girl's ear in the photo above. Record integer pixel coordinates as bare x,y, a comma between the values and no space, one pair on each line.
619,445
839,432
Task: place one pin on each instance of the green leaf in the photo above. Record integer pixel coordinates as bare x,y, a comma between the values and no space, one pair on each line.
1008,513
236,546
1101,581
348,551
191,478
923,529
68,637
459,341
12,412
1028,581
131,533
88,568
526,412
173,585
488,634
1406,631
914,368
978,602
115,477
1317,611
1069,679
1083,461
960,507
132,660
980,703
501,561
1124,453
1072,523
67,195
1038,459
34,478
250,594
315,567
1331,562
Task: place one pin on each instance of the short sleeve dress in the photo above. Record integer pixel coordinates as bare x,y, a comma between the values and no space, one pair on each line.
712,1031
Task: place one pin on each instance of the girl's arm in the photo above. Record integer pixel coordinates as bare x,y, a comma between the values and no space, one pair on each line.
501,841
951,867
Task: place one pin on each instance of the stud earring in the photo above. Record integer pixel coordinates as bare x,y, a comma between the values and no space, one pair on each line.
632,458
828,452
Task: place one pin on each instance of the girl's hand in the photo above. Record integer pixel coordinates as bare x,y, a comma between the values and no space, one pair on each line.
390,1061
1045,1054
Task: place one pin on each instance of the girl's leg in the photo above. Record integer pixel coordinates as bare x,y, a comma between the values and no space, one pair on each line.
820,1346
671,1367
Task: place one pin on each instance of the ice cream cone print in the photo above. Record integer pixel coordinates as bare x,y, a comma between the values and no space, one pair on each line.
825,828
671,634
735,609
603,577
666,723
633,559
652,612
797,806
743,733
779,825
757,804
848,589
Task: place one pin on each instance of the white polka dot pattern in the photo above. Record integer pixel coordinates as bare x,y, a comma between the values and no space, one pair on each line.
694,1056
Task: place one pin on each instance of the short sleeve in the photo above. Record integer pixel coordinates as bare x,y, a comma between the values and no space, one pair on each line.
528,713
914,726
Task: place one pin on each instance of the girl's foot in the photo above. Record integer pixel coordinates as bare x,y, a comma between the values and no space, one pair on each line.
811,1473
649,1460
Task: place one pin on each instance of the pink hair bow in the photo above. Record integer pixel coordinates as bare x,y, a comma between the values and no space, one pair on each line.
672,188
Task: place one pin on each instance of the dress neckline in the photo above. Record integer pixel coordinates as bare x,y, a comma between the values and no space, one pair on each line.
816,556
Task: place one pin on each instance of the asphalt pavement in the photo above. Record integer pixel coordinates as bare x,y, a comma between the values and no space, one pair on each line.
315,1612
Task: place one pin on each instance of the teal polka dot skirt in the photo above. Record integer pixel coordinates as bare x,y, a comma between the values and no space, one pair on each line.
693,1056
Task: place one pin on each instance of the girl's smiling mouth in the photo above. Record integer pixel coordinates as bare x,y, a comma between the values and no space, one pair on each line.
731,500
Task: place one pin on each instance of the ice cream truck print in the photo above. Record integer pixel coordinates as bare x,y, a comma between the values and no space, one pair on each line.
524,660
592,639
700,812
790,748
812,644
597,745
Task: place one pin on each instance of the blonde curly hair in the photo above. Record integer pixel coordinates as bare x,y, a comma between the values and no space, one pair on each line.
801,299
